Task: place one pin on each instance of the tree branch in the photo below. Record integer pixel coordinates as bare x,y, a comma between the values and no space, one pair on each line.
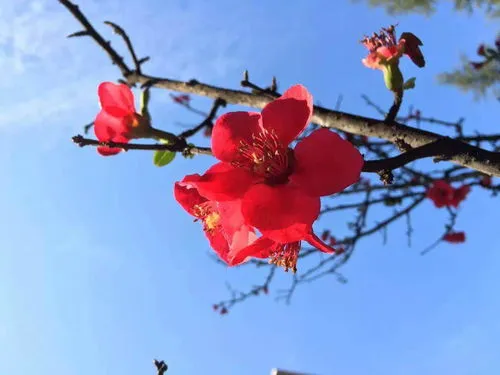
473,157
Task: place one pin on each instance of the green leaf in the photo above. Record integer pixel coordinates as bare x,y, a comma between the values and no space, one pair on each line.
163,157
409,84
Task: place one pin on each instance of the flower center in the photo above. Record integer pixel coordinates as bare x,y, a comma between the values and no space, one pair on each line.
207,213
266,157
212,220
285,255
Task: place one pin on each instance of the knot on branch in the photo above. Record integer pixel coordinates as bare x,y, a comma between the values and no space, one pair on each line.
386,176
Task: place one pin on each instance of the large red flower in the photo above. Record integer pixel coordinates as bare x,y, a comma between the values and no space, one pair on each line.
280,188
117,121
444,195
223,222
385,49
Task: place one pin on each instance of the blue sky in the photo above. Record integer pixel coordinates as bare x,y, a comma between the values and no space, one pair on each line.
101,271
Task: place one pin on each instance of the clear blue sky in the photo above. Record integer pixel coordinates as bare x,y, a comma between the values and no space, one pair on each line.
101,271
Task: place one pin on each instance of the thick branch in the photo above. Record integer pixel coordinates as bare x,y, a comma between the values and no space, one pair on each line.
469,156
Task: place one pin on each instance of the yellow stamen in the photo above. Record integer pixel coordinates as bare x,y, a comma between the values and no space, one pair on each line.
212,221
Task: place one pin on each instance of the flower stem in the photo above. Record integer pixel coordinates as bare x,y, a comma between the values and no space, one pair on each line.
393,111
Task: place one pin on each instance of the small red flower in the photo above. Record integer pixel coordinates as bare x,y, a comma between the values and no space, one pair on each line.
441,193
281,187
223,222
117,121
325,235
444,195
181,99
454,237
223,311
385,49
265,289
215,307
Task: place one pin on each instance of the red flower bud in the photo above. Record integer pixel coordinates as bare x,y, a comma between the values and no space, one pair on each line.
454,237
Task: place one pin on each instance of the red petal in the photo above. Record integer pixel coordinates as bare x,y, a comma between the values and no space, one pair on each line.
412,49
219,244
231,217
283,213
325,163
223,182
110,128
116,99
108,151
186,194
230,130
372,61
290,114
236,233
258,249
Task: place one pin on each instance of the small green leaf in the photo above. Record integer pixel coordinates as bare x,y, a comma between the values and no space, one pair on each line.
409,84
163,157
